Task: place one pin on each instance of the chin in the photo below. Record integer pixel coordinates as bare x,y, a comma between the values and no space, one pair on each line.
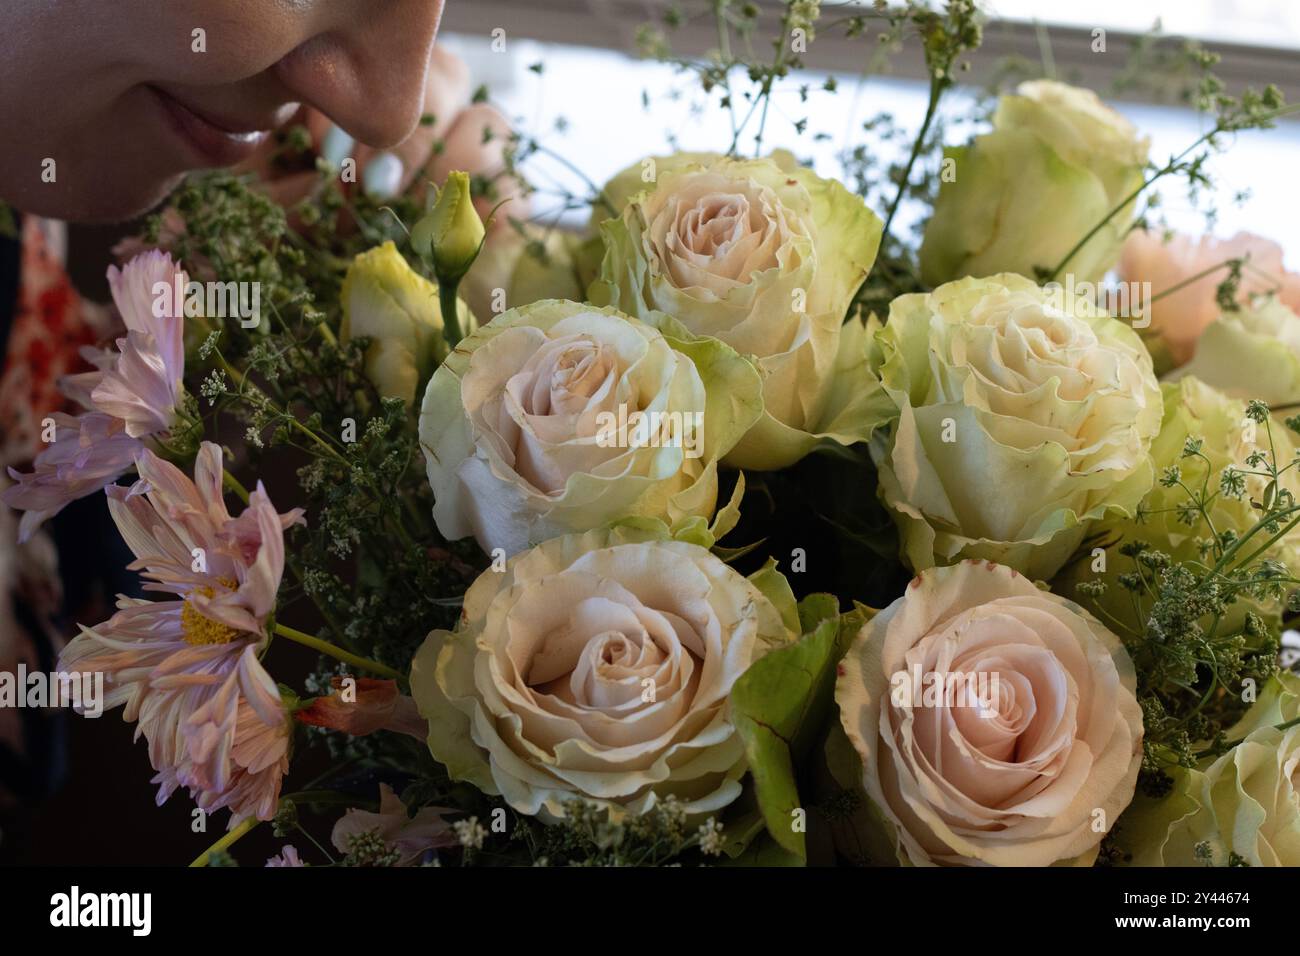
126,200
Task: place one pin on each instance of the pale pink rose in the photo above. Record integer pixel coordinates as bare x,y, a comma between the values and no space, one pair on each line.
187,669
410,836
1180,317
1034,754
133,396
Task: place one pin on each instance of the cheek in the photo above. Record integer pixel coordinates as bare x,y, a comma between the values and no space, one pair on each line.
113,143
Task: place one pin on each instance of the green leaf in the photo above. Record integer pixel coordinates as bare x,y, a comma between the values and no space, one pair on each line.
728,515
780,706
654,527
731,555
764,851
816,608
863,836
741,823
777,590
693,530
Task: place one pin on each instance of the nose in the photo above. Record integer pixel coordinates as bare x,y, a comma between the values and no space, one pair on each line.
366,70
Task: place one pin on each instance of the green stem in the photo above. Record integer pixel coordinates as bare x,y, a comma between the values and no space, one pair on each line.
329,449
1231,552
765,94
450,313
333,650
1200,275
233,484
316,843
598,194
1118,208
1270,542
226,841
724,54
1213,752
937,87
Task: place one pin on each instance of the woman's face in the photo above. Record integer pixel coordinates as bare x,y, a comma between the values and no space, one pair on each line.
125,96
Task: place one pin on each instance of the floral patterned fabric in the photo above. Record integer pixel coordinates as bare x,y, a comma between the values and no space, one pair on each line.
51,323
44,325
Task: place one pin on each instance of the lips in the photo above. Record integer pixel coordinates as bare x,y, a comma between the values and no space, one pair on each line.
211,141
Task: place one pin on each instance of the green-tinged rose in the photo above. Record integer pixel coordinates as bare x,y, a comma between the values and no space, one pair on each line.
451,232
598,667
1022,416
1057,161
388,302
1241,807
764,256
1192,410
626,184
990,722
558,417
1251,352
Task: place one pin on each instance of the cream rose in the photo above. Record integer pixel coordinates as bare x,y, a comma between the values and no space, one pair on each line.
1251,352
1056,163
598,667
1030,767
766,257
529,428
1022,416
1244,804
388,302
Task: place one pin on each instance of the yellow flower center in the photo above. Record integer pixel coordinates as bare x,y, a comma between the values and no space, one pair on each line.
200,629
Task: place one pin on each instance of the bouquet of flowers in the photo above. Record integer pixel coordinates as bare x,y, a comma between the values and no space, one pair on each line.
742,525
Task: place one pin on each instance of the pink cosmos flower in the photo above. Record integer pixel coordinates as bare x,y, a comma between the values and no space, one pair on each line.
133,395
187,669
286,858
1180,317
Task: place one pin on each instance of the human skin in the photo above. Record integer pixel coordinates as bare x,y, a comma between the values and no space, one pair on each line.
118,97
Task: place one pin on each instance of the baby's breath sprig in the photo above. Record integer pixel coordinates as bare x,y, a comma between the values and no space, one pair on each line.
592,835
1195,669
